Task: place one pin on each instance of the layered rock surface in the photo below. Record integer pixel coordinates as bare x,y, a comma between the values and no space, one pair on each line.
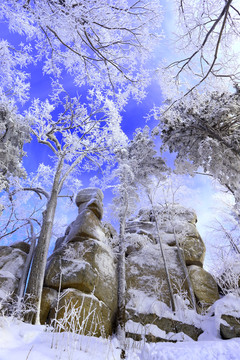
176,230
81,274
82,271
184,252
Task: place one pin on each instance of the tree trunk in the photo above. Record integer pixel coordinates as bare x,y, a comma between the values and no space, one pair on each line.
121,289
164,258
184,267
23,280
36,278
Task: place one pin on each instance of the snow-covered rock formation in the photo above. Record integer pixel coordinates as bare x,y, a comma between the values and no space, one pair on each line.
81,272
175,228
80,287
148,292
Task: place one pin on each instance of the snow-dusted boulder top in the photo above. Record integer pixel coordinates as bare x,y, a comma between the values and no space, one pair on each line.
90,198
176,224
88,224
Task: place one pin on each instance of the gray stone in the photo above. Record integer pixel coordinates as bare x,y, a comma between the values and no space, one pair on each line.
12,260
21,245
8,284
231,329
204,286
86,314
165,324
145,272
49,300
66,273
87,225
91,199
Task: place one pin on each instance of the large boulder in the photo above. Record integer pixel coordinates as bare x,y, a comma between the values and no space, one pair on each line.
86,226
88,266
66,272
165,324
145,272
8,284
48,302
194,250
83,314
12,262
90,198
204,286
229,327
174,227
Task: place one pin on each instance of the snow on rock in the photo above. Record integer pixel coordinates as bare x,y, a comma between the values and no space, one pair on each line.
90,198
179,237
152,333
227,316
24,341
145,271
63,273
87,225
87,194
8,284
49,301
147,289
87,266
12,261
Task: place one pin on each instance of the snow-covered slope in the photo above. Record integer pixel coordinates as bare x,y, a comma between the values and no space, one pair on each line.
20,341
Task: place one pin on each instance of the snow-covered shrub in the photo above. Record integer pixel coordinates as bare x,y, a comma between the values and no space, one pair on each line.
76,320
229,280
68,330
16,307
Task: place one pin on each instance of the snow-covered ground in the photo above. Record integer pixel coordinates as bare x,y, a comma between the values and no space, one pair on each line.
21,341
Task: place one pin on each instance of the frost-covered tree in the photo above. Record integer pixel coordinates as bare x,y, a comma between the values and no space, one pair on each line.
136,163
81,135
206,37
100,43
144,159
125,201
13,134
148,168
203,130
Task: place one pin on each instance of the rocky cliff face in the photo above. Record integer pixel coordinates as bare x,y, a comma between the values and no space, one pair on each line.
147,287
81,275
175,227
